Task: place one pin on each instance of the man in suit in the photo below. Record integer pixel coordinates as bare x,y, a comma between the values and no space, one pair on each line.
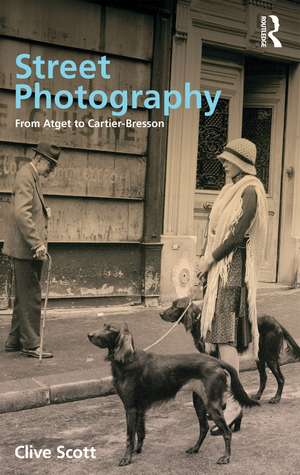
26,243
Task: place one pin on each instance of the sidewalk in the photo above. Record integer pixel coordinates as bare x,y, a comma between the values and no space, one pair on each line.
79,370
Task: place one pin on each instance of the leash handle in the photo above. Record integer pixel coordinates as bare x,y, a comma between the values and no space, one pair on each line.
43,321
170,329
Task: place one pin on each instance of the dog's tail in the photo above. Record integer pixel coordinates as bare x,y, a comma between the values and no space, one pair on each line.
292,344
237,389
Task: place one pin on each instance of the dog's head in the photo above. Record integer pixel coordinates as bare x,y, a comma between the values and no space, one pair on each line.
192,315
117,339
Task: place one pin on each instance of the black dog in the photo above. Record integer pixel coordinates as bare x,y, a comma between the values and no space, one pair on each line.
142,379
271,337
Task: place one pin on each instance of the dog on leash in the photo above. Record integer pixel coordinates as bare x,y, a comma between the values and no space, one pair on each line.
271,337
142,379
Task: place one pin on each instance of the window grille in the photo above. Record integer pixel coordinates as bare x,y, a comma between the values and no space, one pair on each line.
257,123
213,133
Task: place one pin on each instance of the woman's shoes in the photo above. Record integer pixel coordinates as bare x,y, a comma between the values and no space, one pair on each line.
234,426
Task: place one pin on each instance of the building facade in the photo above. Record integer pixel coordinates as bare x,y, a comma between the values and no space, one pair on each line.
106,196
218,45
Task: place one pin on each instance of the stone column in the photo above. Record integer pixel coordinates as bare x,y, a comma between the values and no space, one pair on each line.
156,165
289,254
179,240
295,78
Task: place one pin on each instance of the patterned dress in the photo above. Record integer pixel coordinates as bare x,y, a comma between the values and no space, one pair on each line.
231,323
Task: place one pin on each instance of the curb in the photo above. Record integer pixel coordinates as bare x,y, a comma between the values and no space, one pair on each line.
61,393
44,395
13,401
28,399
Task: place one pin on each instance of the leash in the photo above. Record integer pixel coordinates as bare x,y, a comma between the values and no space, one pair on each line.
43,320
170,329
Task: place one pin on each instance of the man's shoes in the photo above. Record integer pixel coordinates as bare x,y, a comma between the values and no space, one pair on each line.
10,348
12,344
35,353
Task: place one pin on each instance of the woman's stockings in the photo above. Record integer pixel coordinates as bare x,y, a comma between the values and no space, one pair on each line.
230,355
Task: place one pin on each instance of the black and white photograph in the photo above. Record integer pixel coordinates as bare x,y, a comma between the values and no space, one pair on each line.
150,237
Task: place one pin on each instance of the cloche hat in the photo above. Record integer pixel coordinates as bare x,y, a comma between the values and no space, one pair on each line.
242,153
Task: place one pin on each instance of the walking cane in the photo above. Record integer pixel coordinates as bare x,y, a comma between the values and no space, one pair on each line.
43,320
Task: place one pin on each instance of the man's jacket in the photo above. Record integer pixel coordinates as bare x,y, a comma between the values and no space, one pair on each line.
28,221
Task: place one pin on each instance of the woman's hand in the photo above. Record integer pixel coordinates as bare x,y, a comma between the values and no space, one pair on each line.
204,265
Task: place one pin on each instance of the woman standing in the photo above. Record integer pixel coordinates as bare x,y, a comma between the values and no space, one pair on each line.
235,248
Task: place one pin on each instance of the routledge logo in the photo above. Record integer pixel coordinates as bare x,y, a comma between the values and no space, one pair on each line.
266,33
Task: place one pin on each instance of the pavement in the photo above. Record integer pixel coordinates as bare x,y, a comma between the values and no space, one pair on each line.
267,444
79,369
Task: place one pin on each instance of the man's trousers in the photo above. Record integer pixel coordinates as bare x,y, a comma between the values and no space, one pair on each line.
25,325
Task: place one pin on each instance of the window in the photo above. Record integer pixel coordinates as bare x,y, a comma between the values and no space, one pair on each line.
213,133
257,123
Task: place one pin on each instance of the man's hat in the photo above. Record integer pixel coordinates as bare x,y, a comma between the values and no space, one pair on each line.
51,152
242,153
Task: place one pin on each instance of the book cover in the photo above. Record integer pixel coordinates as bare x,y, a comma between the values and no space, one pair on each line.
141,97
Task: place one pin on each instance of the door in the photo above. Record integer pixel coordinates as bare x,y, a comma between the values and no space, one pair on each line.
263,123
252,106
219,70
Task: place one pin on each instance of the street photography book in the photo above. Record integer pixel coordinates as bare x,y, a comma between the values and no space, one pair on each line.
149,174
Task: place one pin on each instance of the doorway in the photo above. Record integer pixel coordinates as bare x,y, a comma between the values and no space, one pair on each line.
252,106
